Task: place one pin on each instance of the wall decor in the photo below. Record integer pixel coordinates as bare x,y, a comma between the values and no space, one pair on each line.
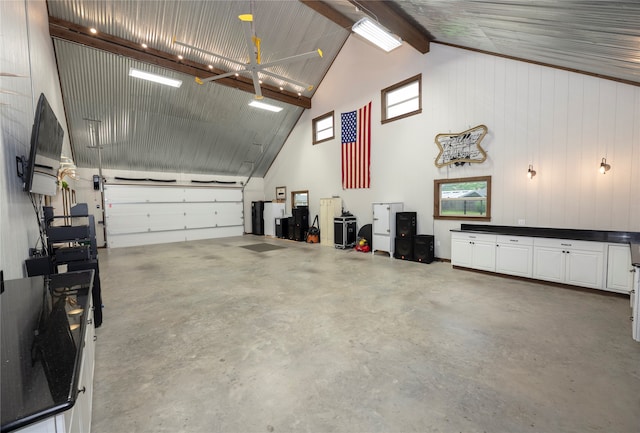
463,147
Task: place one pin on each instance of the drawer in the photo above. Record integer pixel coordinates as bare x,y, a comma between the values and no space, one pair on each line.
570,244
482,237
514,240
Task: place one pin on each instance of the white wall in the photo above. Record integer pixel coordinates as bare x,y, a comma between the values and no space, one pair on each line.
561,122
26,50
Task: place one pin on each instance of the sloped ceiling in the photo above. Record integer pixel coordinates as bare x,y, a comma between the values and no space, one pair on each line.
210,129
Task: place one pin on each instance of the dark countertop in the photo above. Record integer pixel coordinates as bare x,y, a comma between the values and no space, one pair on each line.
631,238
544,232
43,327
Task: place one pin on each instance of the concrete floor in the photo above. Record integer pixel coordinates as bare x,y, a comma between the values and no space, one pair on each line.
208,336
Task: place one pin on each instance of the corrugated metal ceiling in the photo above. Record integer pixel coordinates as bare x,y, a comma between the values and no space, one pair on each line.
210,129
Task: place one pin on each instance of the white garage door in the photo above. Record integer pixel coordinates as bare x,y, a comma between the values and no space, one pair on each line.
141,215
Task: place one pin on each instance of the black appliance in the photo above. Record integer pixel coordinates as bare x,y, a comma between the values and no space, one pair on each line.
257,217
282,228
423,248
300,222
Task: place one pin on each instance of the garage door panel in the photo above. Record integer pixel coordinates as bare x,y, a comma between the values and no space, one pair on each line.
213,194
140,215
217,232
228,214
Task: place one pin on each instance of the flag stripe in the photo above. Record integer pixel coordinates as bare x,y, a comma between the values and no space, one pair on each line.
356,148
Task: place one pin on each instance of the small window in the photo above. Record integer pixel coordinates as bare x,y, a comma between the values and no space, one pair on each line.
299,198
402,100
462,198
323,128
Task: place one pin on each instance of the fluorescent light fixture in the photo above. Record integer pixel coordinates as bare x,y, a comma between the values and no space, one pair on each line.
374,32
155,78
264,106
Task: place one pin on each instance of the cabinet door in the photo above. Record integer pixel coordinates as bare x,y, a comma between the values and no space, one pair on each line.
484,256
461,252
584,268
548,264
381,221
514,259
619,270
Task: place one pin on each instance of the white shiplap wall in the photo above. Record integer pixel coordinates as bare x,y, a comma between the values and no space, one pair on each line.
25,50
561,122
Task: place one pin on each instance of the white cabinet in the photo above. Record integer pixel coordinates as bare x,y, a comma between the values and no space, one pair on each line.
384,226
270,213
619,269
514,255
329,209
580,263
474,250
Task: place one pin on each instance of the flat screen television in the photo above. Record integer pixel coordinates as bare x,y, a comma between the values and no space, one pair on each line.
41,171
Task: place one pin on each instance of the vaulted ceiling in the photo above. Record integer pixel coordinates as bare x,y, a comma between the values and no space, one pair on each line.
211,129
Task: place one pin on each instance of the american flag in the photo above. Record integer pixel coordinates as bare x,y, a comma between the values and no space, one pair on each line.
356,148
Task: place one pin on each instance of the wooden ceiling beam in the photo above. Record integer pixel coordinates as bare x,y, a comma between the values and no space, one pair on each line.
386,13
399,23
68,31
330,13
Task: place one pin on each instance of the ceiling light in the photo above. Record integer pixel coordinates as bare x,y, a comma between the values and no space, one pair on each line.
604,167
180,57
374,32
281,88
264,106
531,172
93,30
155,78
210,66
145,46
236,74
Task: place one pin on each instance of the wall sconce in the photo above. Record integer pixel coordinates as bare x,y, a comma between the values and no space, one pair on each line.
531,172
604,167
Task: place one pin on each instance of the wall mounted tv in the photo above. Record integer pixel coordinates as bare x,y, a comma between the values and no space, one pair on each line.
41,172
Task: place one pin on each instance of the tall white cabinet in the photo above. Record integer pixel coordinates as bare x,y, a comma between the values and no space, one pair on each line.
384,226
329,209
269,215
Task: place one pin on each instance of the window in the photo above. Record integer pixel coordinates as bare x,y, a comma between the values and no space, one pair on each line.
402,100
299,198
323,128
463,198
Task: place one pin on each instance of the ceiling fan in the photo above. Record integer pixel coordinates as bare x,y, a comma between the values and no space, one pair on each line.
255,65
